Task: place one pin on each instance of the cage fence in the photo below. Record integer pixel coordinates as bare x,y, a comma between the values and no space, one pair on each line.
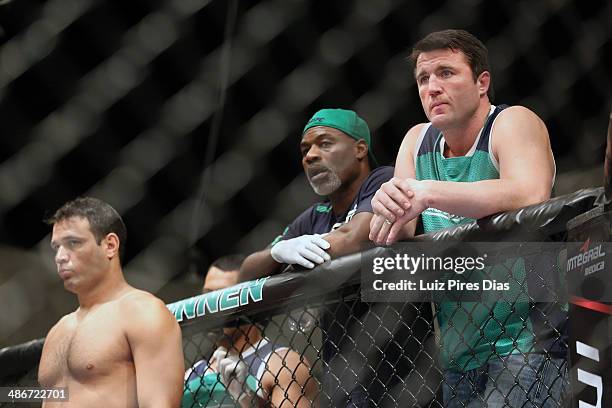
127,92
307,337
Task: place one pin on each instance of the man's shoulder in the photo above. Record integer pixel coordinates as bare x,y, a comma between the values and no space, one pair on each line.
138,295
376,177
516,122
282,356
415,131
145,316
66,322
67,319
141,304
513,113
382,171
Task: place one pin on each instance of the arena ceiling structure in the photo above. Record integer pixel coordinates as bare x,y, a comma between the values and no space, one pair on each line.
186,116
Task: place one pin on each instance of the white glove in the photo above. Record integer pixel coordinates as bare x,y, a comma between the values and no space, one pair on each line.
306,250
233,373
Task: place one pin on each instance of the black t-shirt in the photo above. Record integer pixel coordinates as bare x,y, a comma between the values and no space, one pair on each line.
345,361
320,219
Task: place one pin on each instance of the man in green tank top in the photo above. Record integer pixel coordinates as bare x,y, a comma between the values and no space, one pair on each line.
472,160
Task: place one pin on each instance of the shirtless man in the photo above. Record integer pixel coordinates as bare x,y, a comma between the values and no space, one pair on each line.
121,347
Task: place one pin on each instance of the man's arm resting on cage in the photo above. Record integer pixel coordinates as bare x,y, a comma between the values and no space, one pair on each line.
345,240
258,264
521,145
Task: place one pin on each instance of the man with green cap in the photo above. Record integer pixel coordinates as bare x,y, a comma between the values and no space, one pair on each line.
339,165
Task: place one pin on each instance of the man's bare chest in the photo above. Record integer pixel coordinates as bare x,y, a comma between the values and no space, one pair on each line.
85,350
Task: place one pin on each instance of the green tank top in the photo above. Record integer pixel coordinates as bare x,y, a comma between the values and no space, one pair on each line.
471,332
208,391
205,391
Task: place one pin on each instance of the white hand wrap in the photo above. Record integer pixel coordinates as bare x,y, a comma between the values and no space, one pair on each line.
307,250
233,373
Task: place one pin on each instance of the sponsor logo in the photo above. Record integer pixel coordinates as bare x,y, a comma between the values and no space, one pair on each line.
219,300
316,120
586,256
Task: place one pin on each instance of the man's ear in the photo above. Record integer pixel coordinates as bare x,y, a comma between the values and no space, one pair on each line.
112,245
483,81
361,149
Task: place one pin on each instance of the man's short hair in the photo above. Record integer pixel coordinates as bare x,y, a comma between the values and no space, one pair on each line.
103,219
229,263
474,50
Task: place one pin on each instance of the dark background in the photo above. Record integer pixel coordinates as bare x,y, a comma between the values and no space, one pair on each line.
126,101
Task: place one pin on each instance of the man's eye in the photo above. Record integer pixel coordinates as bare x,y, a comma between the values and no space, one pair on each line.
326,144
423,80
446,73
72,243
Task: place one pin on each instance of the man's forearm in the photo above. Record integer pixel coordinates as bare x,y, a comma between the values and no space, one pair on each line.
343,243
257,265
351,237
482,198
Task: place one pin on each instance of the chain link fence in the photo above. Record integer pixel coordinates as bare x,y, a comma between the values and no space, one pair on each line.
502,348
384,354
390,354
120,100
308,339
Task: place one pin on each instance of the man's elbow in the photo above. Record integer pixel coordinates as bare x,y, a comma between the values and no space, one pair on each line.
248,269
532,196
257,265
343,243
542,193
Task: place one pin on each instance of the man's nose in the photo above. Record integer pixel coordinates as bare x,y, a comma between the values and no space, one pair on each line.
312,154
61,256
433,85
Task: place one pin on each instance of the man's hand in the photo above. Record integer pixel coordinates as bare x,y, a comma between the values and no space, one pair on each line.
233,372
307,250
396,203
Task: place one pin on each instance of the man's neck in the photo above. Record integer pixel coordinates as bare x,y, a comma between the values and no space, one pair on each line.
342,198
111,288
459,140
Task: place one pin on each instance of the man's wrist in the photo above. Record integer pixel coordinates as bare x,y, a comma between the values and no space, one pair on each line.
428,193
274,255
